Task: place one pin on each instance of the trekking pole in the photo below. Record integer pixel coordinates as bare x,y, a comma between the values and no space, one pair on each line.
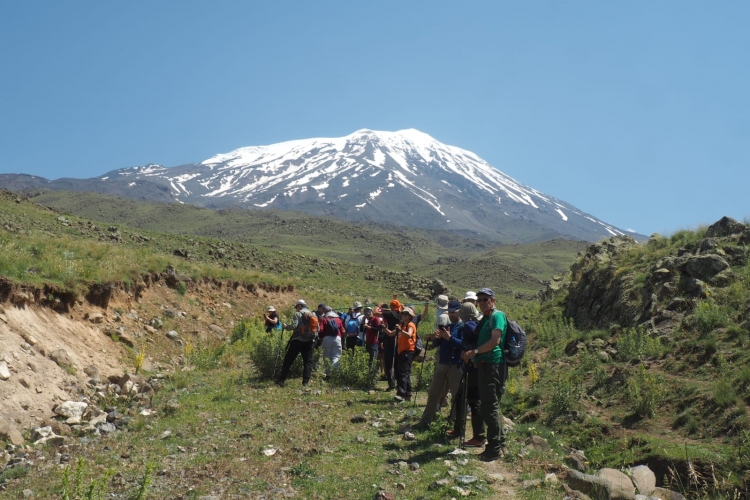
421,369
464,413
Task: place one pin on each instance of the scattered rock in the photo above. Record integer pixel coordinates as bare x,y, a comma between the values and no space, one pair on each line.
531,483
94,317
4,371
644,479
538,444
408,436
466,479
173,335
8,432
384,495
216,329
358,419
665,494
61,357
72,410
619,485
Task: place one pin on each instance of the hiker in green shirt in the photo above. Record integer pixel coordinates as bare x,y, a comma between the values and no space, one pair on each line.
488,358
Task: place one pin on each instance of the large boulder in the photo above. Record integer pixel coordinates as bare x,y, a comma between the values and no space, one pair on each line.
665,494
705,267
619,485
726,226
644,479
590,485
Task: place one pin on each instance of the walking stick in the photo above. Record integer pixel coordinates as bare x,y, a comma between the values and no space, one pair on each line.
460,400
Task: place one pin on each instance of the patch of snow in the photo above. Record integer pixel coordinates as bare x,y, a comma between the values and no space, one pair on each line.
562,214
264,205
360,206
375,194
131,184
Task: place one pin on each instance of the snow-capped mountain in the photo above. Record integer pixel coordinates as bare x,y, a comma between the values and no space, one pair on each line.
404,177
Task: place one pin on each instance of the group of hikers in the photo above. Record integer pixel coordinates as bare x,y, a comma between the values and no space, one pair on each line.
470,364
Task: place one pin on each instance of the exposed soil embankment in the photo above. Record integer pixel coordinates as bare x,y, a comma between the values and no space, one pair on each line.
51,341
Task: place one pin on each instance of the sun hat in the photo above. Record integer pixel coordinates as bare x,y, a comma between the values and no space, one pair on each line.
368,308
468,312
454,306
300,302
486,291
395,305
357,305
409,311
271,309
470,296
331,314
442,301
443,320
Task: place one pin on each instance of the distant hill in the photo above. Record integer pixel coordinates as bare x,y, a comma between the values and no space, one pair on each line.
405,178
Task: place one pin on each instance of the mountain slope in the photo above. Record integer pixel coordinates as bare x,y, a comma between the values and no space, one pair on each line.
405,177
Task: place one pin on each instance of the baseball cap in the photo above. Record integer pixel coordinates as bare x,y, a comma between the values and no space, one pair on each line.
454,306
486,291
409,311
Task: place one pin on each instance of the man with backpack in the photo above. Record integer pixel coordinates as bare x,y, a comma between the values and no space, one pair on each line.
353,326
448,339
488,357
304,326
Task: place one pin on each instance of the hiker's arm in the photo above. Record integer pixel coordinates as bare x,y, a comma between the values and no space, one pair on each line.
426,308
295,322
493,342
457,342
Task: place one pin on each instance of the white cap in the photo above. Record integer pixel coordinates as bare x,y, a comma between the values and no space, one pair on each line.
301,302
470,295
443,320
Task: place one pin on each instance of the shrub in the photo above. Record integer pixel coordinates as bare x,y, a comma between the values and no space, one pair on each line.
207,358
636,344
355,371
421,375
565,395
707,317
644,392
267,353
244,329
181,288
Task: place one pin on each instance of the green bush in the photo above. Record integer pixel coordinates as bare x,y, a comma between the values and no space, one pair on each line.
354,370
267,352
207,357
636,344
421,374
644,392
707,317
565,395
725,394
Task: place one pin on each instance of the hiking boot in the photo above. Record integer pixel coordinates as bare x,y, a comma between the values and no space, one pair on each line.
474,443
398,399
421,426
491,456
391,388
280,383
451,434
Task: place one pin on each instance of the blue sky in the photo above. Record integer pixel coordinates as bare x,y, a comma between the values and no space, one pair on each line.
636,112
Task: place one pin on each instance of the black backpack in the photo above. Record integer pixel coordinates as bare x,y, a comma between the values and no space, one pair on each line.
515,344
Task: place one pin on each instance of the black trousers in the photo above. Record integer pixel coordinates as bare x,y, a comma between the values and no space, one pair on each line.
389,357
372,350
295,348
352,342
403,375
472,398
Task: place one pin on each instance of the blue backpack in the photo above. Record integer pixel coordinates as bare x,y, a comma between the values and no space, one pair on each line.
515,344
352,326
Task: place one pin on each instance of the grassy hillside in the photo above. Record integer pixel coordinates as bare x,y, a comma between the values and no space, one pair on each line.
365,255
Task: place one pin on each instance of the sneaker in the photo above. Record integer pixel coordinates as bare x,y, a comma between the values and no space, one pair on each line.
398,399
474,443
451,433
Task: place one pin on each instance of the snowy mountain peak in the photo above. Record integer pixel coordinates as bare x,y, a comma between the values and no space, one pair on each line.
405,176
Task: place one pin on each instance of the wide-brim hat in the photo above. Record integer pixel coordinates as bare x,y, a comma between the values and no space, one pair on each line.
271,309
442,301
470,296
357,305
300,302
409,311
468,312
